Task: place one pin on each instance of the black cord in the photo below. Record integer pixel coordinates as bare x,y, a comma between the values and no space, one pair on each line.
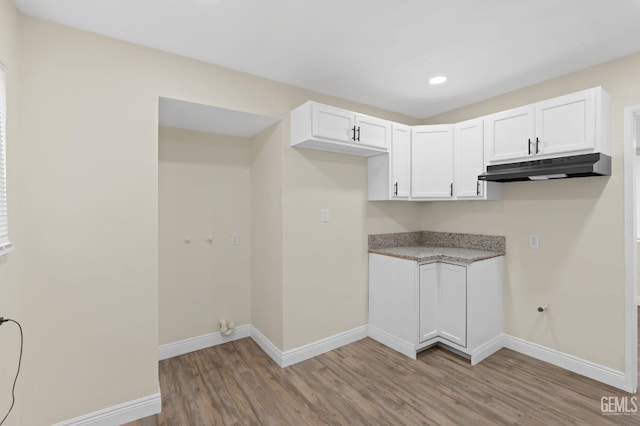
13,389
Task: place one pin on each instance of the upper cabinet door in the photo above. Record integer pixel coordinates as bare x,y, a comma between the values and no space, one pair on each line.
510,134
469,158
566,124
372,131
400,161
332,123
432,162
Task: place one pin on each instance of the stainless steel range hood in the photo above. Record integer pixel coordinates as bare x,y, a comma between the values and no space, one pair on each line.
552,168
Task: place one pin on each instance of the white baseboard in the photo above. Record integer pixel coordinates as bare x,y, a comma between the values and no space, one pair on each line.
201,342
580,366
487,349
638,300
119,414
283,359
404,347
265,344
301,353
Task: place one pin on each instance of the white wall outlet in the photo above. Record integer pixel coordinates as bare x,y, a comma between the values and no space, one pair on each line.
534,241
235,241
324,215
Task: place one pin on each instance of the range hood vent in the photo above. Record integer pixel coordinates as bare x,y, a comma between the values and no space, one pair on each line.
552,168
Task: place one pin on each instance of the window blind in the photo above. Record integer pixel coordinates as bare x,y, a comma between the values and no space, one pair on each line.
5,243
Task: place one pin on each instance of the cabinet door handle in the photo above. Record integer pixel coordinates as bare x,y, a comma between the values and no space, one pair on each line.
537,142
358,134
528,146
451,189
395,192
353,138
478,188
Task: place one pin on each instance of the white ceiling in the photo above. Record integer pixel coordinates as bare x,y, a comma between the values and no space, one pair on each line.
205,118
379,52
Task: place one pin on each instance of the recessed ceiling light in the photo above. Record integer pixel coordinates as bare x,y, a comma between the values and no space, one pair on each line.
437,80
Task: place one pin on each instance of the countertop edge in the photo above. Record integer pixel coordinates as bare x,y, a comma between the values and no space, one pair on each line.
437,258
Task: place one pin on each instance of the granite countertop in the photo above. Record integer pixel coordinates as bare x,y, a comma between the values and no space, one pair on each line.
428,246
424,254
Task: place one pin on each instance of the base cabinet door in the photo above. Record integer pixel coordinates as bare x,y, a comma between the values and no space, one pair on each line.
428,301
452,303
392,297
443,302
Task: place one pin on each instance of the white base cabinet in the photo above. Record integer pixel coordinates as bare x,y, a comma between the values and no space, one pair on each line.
412,306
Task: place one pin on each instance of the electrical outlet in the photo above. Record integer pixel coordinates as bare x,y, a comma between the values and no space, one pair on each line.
235,241
534,241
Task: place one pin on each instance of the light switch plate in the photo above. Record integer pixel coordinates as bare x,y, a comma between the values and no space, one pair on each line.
324,215
235,241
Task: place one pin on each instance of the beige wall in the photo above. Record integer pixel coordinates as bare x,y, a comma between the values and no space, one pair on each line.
10,277
89,143
266,233
325,280
579,268
89,197
203,191
86,171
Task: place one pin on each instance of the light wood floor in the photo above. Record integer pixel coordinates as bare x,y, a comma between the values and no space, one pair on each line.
365,383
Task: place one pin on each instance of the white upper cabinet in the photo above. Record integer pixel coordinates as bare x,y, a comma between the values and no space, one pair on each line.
332,123
566,124
372,131
327,128
400,161
469,163
442,162
432,162
572,124
389,174
509,134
